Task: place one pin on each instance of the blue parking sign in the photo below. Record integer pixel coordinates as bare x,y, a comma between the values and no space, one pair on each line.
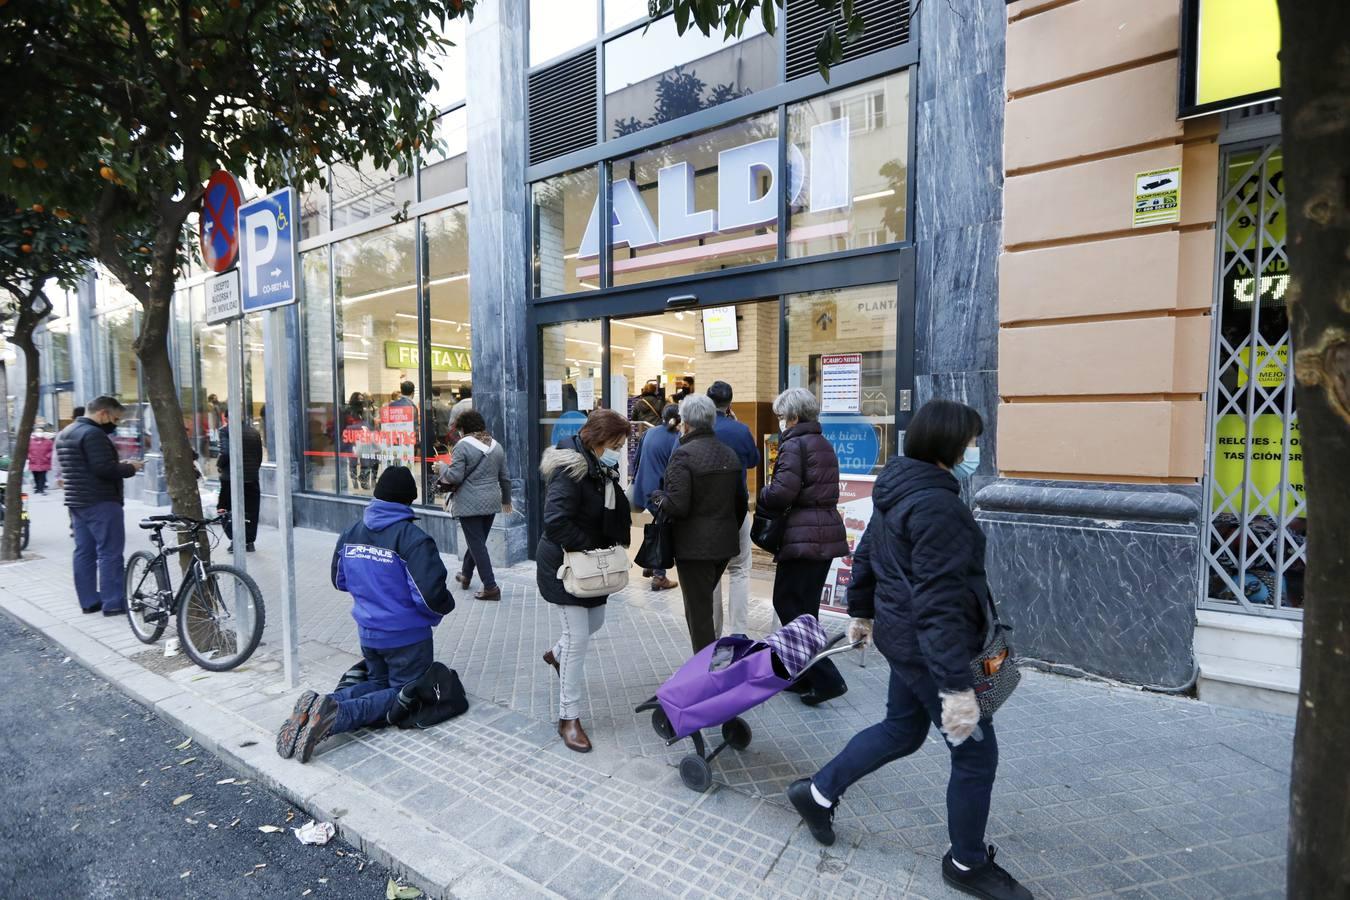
267,239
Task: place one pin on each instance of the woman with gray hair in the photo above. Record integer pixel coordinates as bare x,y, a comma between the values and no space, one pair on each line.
805,489
706,500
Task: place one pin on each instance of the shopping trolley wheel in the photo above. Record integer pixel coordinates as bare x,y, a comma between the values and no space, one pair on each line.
661,724
695,773
737,733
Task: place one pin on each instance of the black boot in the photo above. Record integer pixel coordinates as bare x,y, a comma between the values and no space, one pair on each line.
819,819
404,704
990,881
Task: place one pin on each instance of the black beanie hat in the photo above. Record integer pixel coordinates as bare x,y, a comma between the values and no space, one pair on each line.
396,485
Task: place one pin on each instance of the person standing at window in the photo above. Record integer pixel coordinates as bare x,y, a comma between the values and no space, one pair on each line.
653,456
253,457
805,489
481,488
737,436
584,509
919,581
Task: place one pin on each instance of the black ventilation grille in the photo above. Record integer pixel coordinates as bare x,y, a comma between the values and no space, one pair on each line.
887,26
562,108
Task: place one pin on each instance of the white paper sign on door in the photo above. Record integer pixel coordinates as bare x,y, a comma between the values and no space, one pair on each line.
553,394
618,393
841,383
586,394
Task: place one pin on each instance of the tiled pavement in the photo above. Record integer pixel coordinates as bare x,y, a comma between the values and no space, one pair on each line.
1102,790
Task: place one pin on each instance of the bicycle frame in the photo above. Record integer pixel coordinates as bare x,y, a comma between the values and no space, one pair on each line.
160,568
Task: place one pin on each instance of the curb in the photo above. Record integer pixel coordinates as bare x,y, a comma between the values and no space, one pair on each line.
435,861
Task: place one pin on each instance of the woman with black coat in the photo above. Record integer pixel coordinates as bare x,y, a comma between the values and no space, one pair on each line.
918,575
584,509
706,499
805,489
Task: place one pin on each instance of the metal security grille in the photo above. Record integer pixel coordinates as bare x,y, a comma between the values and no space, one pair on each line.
562,108
1256,516
887,26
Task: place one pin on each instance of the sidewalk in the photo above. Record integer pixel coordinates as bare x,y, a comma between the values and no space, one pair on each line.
1102,790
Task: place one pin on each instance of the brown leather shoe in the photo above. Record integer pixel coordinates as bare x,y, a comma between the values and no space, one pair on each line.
463,580
573,735
553,661
492,594
662,583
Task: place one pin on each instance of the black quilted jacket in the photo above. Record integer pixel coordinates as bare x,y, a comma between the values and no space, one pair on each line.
920,527
90,469
705,497
806,485
253,454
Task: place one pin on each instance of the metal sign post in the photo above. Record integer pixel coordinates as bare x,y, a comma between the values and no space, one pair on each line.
268,264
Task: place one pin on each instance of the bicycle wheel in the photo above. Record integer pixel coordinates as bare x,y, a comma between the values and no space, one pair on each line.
220,619
23,539
145,610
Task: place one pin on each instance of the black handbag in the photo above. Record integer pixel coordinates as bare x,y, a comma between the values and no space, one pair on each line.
767,530
658,543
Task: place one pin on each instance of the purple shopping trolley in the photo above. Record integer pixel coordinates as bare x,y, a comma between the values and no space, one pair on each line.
721,681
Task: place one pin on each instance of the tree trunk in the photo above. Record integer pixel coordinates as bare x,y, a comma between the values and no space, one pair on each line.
1315,76
13,535
157,372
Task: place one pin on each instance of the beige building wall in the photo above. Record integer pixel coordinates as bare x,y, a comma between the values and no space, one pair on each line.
1104,328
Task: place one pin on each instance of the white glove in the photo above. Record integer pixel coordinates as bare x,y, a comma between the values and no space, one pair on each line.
960,715
860,631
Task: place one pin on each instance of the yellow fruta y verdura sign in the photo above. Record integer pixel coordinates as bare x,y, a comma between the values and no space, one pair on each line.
1239,52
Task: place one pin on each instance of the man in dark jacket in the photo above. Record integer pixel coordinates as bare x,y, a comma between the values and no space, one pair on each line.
253,458
737,436
394,573
705,497
93,476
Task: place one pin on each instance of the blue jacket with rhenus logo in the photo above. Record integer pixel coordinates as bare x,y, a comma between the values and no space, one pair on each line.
395,576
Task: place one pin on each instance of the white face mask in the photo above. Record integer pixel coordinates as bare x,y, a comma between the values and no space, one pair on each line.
782,425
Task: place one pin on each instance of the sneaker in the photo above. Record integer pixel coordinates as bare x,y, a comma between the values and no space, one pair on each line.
249,548
321,720
819,819
990,881
290,729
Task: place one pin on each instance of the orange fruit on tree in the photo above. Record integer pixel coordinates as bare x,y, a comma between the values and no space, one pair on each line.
38,207
107,174
27,248
20,162
40,164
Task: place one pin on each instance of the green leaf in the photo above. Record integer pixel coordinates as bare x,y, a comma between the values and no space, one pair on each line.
766,14
682,10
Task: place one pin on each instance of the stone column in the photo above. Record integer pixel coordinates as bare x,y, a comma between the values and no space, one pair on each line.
499,246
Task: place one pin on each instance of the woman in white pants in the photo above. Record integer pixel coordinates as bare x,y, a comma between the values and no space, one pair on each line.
584,509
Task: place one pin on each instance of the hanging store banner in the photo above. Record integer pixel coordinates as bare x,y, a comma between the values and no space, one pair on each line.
404,355
1230,55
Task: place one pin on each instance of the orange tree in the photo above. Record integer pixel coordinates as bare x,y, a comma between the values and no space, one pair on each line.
1315,84
37,247
119,110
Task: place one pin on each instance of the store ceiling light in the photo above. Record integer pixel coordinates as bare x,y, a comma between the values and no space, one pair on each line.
877,196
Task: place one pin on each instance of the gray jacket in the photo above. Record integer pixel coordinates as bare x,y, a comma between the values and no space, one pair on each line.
477,471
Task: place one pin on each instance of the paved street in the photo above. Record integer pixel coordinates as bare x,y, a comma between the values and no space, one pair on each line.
90,782
1102,791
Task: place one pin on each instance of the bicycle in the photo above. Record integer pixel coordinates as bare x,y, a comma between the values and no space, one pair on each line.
209,605
25,529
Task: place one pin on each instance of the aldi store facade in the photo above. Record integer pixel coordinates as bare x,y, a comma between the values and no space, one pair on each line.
951,215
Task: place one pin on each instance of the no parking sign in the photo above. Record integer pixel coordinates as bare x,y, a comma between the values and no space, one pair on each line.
218,226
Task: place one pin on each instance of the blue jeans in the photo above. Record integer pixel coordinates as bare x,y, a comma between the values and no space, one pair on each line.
100,538
910,707
366,702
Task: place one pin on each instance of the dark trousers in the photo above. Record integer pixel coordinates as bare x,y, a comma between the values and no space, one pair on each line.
911,707
366,702
797,584
698,579
40,482
100,538
475,553
252,505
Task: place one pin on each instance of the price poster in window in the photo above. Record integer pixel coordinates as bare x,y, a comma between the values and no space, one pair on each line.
841,383
586,394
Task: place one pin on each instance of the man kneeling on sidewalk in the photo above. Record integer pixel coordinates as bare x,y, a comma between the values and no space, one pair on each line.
397,581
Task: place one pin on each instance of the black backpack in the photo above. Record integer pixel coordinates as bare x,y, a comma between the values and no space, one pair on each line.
430,700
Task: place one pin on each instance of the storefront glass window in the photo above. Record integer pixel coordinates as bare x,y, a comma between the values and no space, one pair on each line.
313,211
557,27
446,237
446,169
214,383
321,412
570,357
841,347
376,306
360,192
853,150
563,207
255,380
623,12
1257,518
698,204
182,356
655,75
117,369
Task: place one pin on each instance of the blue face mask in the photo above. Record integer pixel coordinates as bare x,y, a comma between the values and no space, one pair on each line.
610,457
968,464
